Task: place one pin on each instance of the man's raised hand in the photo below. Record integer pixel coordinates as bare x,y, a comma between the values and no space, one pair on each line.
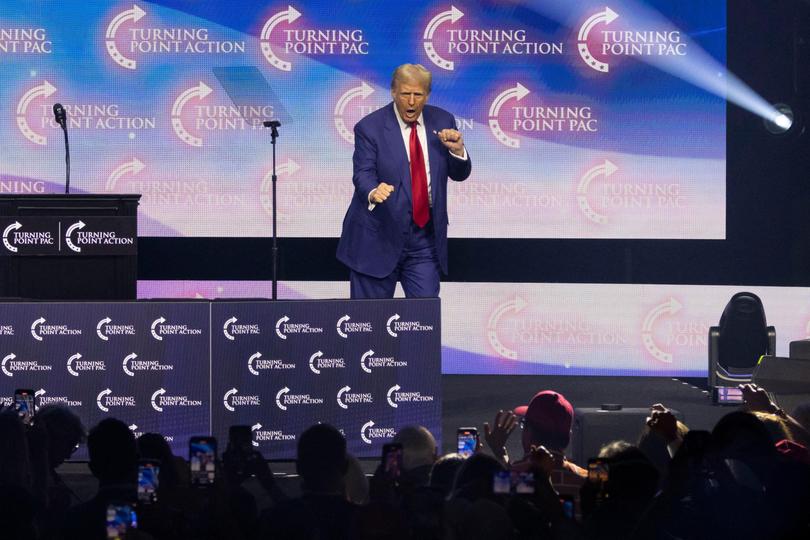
453,140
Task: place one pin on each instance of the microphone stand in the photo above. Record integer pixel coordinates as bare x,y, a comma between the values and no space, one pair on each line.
67,157
274,125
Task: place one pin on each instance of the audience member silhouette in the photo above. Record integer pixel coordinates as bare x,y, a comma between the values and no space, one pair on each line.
323,511
113,460
17,504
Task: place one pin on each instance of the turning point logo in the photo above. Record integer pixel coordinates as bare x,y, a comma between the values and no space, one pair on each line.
39,329
368,361
159,400
105,400
317,362
344,327
368,432
75,365
44,90
518,93
285,399
287,168
256,363
452,15
231,329
285,327
603,17
617,43
130,15
670,307
346,397
511,306
6,359
104,329
129,358
9,364
159,40
200,92
153,328
131,364
309,41
68,240
289,16
605,170
479,41
260,435
159,328
395,396
394,325
546,118
362,91
130,168
231,400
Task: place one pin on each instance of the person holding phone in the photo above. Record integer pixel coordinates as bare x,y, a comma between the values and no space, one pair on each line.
17,502
545,422
114,462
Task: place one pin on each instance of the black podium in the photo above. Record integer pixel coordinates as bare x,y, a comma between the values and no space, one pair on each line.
69,247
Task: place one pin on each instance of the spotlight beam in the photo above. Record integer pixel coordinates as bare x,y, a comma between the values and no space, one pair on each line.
698,67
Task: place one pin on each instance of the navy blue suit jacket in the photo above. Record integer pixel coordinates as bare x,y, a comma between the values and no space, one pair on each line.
372,240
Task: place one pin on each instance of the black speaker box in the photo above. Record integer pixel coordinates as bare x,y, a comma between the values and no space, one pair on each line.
595,427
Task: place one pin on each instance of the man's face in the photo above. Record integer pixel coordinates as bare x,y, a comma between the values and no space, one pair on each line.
410,98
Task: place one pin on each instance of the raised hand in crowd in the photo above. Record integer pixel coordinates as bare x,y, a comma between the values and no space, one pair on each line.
496,435
663,422
757,399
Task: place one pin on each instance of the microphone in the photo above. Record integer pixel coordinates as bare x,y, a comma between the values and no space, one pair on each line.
60,114
272,123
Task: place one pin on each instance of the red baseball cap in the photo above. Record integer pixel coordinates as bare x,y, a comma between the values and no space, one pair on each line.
548,411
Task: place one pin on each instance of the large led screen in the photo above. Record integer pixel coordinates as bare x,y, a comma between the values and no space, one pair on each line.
574,127
560,328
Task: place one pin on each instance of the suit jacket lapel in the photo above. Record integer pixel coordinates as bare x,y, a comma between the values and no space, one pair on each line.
396,146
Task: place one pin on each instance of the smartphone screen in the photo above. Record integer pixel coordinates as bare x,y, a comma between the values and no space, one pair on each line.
24,404
120,518
467,439
202,456
728,394
148,482
523,483
502,483
392,461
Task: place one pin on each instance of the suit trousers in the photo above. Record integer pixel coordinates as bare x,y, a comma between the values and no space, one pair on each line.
417,270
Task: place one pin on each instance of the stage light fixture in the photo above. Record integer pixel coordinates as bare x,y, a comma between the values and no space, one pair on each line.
781,121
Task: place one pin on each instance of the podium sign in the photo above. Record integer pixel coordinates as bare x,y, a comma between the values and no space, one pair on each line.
69,247
72,236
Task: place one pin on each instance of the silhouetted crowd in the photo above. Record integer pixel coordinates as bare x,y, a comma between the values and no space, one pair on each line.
747,478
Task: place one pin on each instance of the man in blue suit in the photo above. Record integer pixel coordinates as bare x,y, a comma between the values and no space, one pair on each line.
396,225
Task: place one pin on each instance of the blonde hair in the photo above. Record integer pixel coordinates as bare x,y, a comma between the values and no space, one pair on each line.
412,72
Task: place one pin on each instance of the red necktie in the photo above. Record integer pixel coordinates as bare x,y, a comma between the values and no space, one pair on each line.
421,207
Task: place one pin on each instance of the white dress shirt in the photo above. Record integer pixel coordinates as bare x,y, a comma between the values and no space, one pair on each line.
405,131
